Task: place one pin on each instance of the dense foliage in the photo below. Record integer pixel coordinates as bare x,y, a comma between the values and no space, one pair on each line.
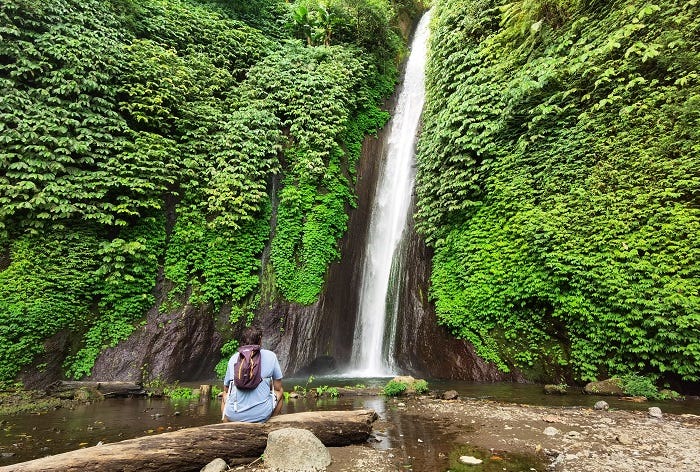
143,137
558,183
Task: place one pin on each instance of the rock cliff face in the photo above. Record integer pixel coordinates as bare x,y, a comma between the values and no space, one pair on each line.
185,344
318,338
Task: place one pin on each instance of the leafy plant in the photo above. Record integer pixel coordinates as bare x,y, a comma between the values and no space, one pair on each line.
640,386
555,177
227,351
420,386
394,388
177,393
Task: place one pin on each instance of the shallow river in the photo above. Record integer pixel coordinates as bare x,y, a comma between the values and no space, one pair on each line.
29,437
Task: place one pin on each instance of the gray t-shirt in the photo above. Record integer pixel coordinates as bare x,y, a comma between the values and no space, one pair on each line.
252,406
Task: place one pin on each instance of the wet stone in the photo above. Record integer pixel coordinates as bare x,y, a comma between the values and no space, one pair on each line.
601,405
450,395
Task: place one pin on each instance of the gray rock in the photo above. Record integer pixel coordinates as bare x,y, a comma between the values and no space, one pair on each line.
601,405
655,412
217,465
551,431
295,449
450,395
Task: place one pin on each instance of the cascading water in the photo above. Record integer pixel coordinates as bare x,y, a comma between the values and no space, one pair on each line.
375,329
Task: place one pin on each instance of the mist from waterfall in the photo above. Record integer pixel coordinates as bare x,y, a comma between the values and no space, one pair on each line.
375,328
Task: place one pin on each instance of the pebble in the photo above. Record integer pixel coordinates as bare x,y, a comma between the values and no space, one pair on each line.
655,412
601,405
551,431
470,460
624,439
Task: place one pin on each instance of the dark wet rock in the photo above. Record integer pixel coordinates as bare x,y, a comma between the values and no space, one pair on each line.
655,412
183,345
450,395
611,386
295,449
217,465
601,405
56,348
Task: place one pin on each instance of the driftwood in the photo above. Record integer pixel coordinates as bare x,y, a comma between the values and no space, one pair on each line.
191,449
107,389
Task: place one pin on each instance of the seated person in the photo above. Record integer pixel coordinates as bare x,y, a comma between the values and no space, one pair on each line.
260,403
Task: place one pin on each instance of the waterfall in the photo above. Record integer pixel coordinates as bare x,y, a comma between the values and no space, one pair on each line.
375,329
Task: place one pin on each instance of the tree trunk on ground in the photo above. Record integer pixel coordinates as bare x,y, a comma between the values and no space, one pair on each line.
192,448
108,389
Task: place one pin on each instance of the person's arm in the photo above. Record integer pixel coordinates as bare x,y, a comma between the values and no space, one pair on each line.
224,394
279,393
224,397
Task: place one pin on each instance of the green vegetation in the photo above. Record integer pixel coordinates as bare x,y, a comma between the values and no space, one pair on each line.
420,386
177,393
558,184
326,390
637,385
320,391
394,388
140,138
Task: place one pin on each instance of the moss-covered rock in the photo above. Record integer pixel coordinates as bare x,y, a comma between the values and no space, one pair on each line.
612,386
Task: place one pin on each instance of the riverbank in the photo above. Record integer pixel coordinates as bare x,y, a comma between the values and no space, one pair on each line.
419,433
523,437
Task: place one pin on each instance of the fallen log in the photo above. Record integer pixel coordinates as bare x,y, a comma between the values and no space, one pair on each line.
107,389
191,449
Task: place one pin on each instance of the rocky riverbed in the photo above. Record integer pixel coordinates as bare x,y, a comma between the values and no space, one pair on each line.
522,437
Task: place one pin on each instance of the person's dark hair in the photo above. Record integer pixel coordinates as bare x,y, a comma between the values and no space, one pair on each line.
251,335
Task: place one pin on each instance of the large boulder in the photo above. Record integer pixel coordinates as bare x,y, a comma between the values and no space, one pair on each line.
611,386
295,449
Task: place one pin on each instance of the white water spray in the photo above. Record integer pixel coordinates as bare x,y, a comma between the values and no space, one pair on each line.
373,342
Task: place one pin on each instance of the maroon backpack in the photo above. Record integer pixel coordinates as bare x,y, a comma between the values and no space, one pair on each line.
246,374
